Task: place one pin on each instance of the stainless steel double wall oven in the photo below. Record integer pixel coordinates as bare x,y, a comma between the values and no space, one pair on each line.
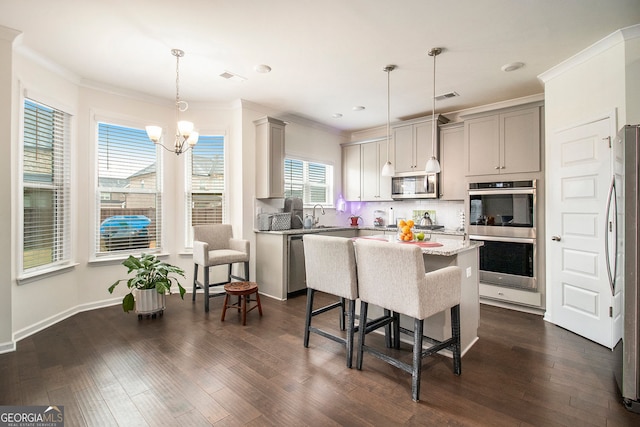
503,216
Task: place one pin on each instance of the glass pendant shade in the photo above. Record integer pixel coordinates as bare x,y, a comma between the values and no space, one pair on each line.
433,166
185,128
193,138
154,133
387,169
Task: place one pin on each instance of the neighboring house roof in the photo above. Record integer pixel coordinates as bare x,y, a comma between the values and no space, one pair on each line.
107,182
151,169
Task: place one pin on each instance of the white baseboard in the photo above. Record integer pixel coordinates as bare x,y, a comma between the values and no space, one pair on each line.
7,347
45,323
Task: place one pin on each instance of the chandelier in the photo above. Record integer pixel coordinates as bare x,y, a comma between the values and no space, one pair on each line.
184,131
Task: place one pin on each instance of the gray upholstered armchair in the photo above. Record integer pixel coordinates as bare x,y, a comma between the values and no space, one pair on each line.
214,245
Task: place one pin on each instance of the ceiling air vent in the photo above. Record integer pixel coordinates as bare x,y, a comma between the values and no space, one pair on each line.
233,77
447,96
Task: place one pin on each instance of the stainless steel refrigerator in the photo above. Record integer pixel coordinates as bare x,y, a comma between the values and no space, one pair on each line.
626,166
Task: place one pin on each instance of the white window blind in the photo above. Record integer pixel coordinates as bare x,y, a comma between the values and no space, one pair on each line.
205,196
129,191
46,183
312,182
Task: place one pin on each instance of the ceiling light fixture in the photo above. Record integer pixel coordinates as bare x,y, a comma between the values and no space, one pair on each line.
387,169
184,131
512,66
433,165
262,68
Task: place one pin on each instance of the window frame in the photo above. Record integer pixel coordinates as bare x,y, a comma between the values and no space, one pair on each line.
188,180
62,242
128,123
329,187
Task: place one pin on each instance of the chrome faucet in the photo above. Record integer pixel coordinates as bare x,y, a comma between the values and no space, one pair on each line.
316,220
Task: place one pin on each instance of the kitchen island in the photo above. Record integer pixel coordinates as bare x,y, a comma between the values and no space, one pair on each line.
461,253
274,268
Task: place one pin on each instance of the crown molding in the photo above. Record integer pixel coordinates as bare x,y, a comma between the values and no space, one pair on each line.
613,39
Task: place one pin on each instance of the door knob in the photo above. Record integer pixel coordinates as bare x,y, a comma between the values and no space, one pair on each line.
556,238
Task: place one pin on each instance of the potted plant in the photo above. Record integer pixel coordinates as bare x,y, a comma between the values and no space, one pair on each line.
150,283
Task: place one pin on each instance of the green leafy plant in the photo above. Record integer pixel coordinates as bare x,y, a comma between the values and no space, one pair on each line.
150,273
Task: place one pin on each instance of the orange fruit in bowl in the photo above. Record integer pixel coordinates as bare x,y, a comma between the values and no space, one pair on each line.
402,223
410,223
406,229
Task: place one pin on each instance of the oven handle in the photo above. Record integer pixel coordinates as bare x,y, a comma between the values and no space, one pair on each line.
503,239
503,191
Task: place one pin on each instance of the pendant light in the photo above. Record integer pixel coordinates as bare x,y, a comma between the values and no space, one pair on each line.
433,165
387,169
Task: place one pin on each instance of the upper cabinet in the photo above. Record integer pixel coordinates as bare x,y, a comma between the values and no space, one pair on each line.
452,174
362,166
412,142
351,172
504,142
375,187
269,158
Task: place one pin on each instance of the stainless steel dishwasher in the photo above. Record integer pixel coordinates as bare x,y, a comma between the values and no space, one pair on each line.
296,271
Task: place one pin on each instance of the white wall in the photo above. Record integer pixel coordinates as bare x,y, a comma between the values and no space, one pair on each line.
600,81
7,162
40,302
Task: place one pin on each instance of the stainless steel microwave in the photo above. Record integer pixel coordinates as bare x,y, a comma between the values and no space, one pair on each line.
414,187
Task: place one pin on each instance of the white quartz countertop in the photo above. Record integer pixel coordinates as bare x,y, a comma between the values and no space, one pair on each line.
437,245
324,229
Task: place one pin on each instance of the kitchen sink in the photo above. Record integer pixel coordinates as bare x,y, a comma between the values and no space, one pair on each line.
329,226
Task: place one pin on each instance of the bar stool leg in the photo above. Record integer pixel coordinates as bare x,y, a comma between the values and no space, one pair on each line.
244,309
258,301
224,307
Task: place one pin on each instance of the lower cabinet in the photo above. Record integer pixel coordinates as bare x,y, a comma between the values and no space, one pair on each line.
280,269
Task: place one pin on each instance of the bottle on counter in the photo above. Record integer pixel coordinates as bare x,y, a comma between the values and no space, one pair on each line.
391,219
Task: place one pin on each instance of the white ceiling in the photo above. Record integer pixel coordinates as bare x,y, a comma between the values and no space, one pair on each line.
327,56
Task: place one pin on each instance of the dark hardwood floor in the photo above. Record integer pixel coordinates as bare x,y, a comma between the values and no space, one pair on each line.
187,368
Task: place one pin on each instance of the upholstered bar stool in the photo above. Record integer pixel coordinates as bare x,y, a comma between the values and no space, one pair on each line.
331,268
392,276
214,245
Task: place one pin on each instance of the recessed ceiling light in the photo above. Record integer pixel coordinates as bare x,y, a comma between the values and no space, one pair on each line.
512,66
232,76
358,108
336,115
262,68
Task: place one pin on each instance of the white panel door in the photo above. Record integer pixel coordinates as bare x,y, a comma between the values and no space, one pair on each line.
579,175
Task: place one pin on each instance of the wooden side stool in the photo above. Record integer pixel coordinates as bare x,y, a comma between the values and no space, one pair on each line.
243,290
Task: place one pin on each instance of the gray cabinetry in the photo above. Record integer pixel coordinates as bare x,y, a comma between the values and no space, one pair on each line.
269,158
362,165
412,144
503,143
452,175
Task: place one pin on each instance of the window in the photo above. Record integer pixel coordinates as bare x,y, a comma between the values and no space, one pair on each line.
312,182
129,191
46,188
205,197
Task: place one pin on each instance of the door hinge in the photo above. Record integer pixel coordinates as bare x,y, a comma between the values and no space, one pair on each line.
610,311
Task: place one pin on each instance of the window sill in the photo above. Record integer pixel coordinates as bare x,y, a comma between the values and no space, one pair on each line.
43,274
111,259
